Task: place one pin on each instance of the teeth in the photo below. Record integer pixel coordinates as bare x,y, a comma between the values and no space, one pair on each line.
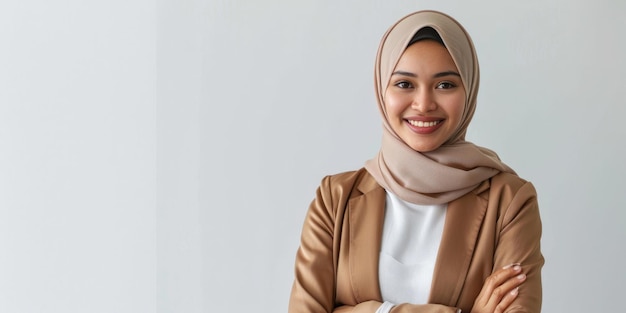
423,124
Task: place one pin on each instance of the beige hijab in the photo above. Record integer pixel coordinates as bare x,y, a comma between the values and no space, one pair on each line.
458,166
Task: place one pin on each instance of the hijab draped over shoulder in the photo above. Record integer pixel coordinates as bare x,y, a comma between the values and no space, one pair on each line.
458,166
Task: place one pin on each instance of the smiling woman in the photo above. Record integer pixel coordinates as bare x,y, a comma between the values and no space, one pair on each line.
425,96
433,223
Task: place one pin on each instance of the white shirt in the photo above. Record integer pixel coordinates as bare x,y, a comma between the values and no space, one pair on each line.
410,243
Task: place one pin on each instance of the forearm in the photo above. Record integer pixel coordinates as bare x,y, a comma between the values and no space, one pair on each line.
374,306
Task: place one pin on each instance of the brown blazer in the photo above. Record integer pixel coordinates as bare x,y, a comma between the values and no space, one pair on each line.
336,266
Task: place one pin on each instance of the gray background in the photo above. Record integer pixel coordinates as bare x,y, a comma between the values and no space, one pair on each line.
159,156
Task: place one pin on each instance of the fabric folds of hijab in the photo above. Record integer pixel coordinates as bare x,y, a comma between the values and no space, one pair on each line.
458,166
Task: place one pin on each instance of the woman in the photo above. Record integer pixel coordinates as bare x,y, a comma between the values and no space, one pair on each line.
433,223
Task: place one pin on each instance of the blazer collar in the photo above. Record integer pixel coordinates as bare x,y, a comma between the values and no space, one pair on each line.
463,221
366,213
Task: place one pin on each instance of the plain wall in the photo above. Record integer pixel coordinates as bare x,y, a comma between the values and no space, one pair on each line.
77,156
160,156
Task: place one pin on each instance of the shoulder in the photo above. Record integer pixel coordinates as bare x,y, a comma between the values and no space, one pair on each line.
510,185
334,193
512,196
346,178
346,185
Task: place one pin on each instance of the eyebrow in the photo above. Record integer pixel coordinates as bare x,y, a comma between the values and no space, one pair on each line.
438,75
448,73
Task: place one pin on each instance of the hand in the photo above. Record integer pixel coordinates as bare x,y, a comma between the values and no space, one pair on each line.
499,290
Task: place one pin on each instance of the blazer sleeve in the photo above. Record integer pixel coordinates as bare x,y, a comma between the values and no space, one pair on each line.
314,286
314,282
519,241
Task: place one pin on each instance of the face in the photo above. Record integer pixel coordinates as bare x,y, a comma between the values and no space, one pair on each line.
425,96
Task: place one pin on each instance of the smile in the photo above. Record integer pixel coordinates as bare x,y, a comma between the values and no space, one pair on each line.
423,124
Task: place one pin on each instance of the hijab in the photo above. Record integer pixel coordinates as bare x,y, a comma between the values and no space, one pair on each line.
456,167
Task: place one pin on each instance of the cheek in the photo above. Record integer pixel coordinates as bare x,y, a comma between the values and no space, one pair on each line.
394,114
455,108
394,105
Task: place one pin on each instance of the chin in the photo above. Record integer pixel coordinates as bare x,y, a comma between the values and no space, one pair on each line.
422,143
424,149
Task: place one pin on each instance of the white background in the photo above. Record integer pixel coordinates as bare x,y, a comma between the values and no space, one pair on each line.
159,156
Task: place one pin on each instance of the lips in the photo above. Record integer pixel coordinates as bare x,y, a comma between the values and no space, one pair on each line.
424,125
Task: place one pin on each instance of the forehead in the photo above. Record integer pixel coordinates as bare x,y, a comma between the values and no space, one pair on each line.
426,54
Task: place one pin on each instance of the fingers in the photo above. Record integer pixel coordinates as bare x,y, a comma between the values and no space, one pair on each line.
500,289
498,278
504,275
506,300
505,284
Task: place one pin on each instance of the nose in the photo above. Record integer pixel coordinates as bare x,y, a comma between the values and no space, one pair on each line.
423,101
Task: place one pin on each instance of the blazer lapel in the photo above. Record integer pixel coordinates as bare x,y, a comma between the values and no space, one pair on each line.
463,220
366,216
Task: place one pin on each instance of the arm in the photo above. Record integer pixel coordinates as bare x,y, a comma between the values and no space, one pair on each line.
513,288
314,284
372,307
519,239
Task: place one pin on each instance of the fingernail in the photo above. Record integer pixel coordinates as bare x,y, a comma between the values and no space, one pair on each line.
517,268
511,265
521,276
515,291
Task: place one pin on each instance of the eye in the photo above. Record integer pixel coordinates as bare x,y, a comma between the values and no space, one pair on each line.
445,85
403,85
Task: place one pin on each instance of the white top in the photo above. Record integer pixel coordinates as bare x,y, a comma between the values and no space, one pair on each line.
410,243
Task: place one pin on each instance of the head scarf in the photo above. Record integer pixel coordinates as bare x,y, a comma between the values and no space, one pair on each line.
458,166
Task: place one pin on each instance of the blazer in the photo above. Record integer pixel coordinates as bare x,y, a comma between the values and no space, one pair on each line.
336,268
